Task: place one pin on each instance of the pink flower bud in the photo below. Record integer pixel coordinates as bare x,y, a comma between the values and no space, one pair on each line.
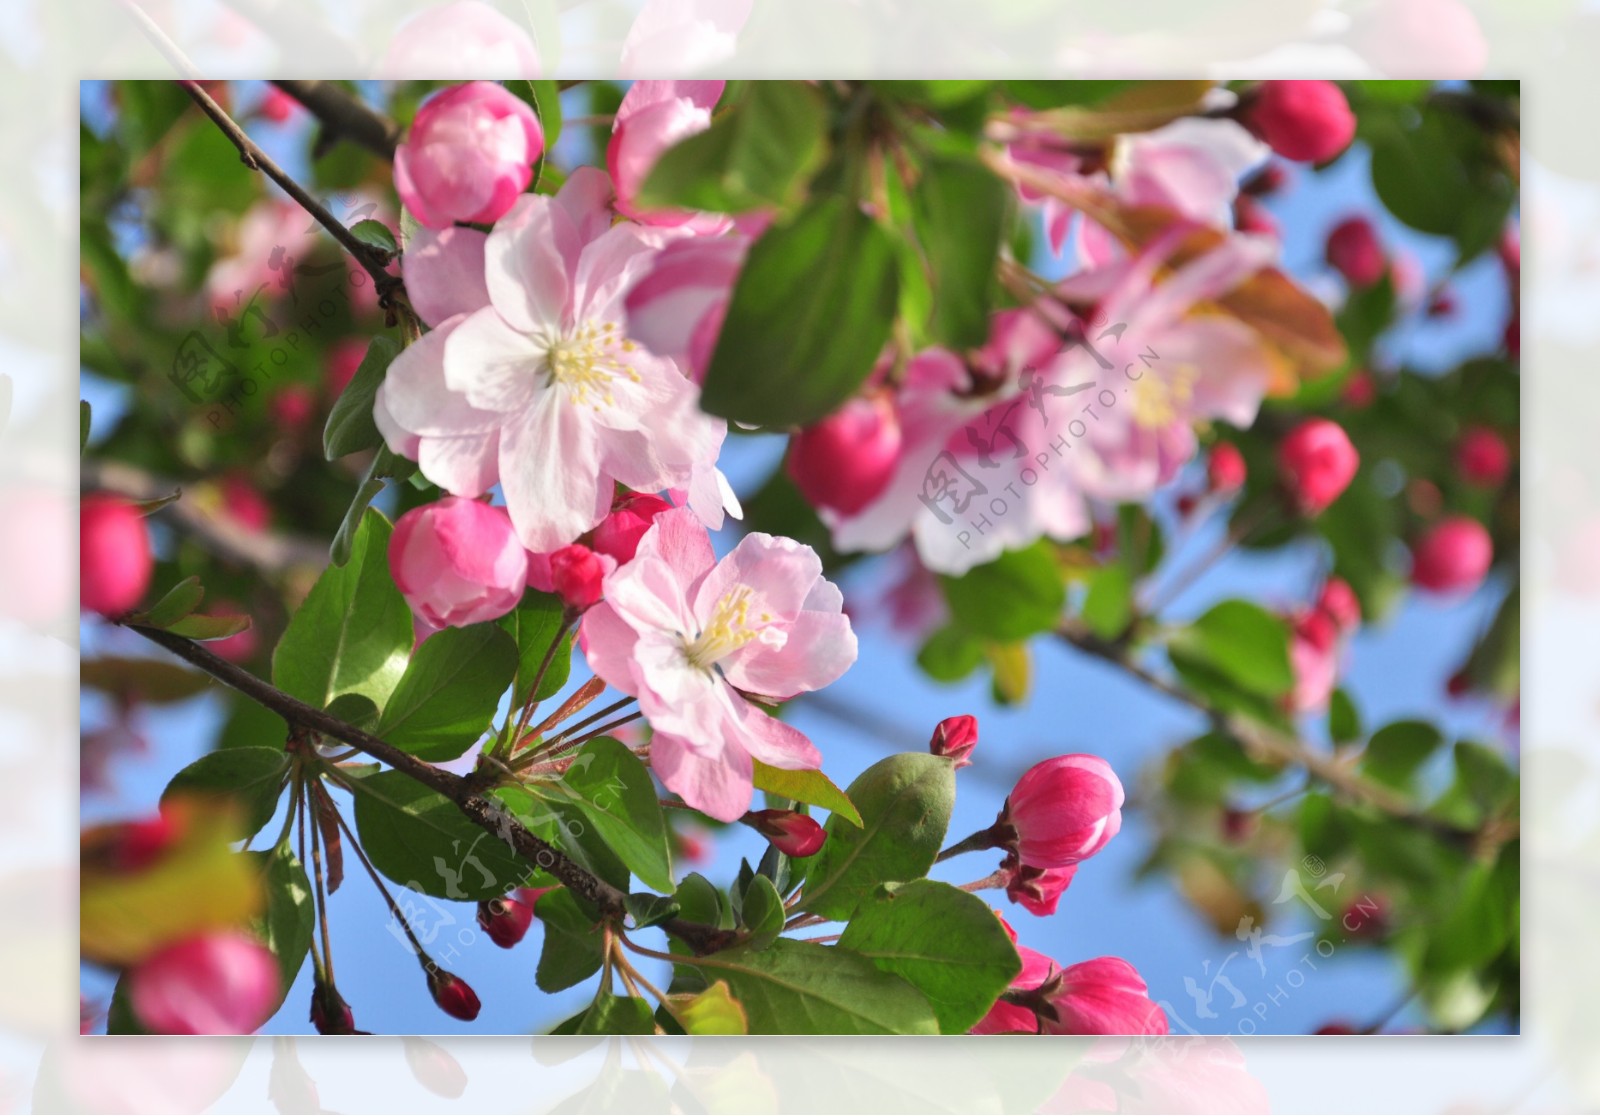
469,154
1037,889
330,1015
955,737
293,407
276,105
458,562
1064,810
1360,389
1452,557
576,573
344,360
1338,602
243,503
1309,121
1422,39
460,40
529,896
1225,471
1354,252
794,834
653,116
213,984
619,533
1482,457
114,562
505,920
1318,463
846,461
1105,996
453,995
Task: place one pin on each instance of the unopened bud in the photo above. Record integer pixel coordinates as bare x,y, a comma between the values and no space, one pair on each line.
453,995
955,737
791,833
505,919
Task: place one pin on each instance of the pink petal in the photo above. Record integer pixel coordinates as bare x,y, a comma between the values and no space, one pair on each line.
781,571
608,643
772,741
549,470
495,366
463,466
444,273
417,396
717,783
528,258
819,648
586,197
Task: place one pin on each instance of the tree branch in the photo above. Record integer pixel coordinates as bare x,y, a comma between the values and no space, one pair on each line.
486,814
1272,745
345,116
371,259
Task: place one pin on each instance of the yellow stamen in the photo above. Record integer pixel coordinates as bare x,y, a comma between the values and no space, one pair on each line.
728,629
1156,400
586,360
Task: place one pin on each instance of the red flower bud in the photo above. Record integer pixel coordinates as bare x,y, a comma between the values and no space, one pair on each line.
1037,889
453,995
1360,389
576,573
955,737
845,461
1318,462
619,533
1308,121
1452,557
1250,216
1269,179
791,833
1225,471
1354,252
1442,305
114,562
330,1015
293,407
1186,504
1482,457
1064,810
505,920
1338,602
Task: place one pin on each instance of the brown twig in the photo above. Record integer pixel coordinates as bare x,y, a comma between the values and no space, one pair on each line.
372,260
486,814
344,116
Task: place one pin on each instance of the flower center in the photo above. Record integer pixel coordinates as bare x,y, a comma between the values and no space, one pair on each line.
1157,400
729,628
586,360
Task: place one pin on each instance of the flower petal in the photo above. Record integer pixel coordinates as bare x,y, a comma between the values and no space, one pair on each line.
716,782
820,647
549,470
528,259
444,272
495,366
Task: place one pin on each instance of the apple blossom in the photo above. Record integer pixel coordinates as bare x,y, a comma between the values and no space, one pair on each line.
1482,457
1063,811
468,156
1313,660
1339,603
619,534
955,737
1454,556
1354,251
792,833
1103,996
271,231
460,40
223,983
1318,463
653,116
1039,890
576,573
540,389
677,307
1308,121
847,459
453,995
114,560
690,636
457,562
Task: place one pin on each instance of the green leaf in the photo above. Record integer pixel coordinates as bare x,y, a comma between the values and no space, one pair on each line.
375,234
759,152
533,624
1019,594
811,787
617,1015
120,1019
1109,603
700,900
84,414
712,1012
182,599
1344,720
1245,643
807,319
288,922
1438,172
545,97
448,694
905,802
419,839
950,654
1398,750
647,909
353,633
202,628
959,210
947,943
1482,913
253,778
613,790
573,946
549,813
762,912
350,427
801,988
385,464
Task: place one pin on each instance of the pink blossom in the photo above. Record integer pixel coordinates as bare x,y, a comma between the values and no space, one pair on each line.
790,832
114,560
1309,121
1006,1018
845,461
1063,810
1339,602
1453,557
691,636
274,231
1423,39
458,41
1314,649
1355,252
1039,890
540,389
453,995
505,919
1104,996
1225,470
457,562
469,154
214,984
653,116
683,36
576,573
1318,463
1482,457
955,737
677,308
621,531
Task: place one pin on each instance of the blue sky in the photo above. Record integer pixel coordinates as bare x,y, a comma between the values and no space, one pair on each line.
1079,705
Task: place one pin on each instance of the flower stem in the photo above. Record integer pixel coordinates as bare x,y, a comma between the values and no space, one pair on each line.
990,838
